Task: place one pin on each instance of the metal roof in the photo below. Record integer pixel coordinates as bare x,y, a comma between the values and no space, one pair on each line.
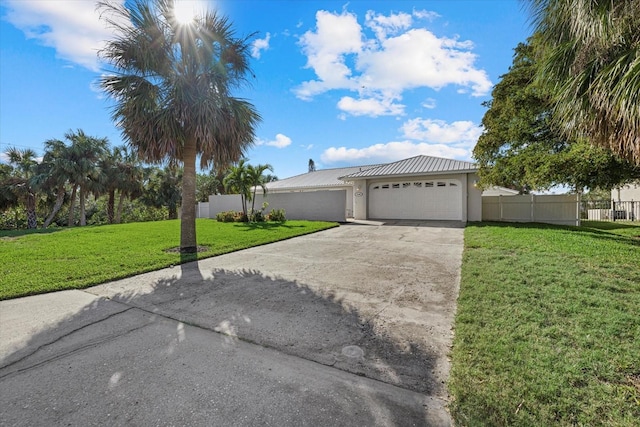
317,179
418,165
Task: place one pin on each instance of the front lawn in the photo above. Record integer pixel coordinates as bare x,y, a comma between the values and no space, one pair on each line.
72,258
547,330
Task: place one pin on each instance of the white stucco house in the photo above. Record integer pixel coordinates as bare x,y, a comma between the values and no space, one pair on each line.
421,187
626,193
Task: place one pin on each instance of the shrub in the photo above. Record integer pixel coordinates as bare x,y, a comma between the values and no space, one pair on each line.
277,215
227,216
257,216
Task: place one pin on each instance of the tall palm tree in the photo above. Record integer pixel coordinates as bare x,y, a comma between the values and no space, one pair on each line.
53,174
237,181
85,174
172,86
592,64
131,176
21,184
257,179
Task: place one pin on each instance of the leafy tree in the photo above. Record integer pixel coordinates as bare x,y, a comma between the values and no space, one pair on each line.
591,65
131,175
256,178
53,174
18,186
172,90
521,148
163,189
207,184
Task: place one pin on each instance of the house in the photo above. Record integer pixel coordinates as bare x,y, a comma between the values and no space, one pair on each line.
421,187
626,193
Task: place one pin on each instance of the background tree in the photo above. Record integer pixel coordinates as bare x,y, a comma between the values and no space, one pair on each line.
131,175
207,184
172,90
521,148
256,178
237,181
53,174
591,64
18,185
312,165
163,189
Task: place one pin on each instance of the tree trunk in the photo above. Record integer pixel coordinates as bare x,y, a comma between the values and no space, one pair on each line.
120,204
56,207
32,220
72,205
110,205
188,220
83,214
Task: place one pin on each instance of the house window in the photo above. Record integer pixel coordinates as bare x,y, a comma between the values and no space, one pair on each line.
442,184
428,184
395,185
384,186
406,184
453,184
377,187
417,184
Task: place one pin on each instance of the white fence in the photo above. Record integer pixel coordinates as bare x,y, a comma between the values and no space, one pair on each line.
551,209
326,205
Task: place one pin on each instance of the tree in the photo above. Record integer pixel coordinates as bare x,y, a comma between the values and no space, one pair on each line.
85,173
591,63
237,181
163,189
521,148
256,178
312,165
53,174
207,184
18,185
131,175
172,90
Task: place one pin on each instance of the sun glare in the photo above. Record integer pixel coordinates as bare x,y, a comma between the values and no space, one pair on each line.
186,10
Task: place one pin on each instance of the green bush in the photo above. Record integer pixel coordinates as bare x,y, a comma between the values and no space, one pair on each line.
231,216
277,215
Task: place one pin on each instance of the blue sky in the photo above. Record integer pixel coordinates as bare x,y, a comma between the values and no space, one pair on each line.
342,83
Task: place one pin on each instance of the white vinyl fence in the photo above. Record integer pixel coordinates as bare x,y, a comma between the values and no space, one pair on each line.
551,209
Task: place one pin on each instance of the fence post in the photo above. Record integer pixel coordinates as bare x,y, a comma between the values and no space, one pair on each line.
532,208
500,205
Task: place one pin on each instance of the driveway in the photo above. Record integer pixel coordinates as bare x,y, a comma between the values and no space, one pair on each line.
349,326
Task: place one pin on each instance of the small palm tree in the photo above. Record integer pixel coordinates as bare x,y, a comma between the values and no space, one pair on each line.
172,90
53,174
257,179
237,182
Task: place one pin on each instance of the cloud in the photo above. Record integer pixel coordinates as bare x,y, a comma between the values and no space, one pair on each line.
390,152
429,103
382,60
259,45
460,133
281,141
72,28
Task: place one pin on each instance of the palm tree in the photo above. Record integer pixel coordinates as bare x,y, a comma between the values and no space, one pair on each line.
131,176
20,183
592,64
171,88
163,189
237,181
257,179
53,174
85,173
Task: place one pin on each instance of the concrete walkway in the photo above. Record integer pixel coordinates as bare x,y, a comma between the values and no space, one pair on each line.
349,326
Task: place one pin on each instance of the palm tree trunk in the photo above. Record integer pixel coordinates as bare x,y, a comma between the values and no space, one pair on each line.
32,221
83,214
56,207
72,205
120,204
188,220
110,205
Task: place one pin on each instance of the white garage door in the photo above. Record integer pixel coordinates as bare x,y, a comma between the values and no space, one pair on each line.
416,199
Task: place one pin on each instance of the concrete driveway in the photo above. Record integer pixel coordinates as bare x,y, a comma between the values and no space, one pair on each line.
349,326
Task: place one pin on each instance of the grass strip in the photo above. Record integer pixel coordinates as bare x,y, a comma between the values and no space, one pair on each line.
72,258
547,330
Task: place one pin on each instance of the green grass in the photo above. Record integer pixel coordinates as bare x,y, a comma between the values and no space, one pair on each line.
71,258
547,330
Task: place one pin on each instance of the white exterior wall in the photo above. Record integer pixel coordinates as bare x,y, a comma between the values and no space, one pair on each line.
360,199
474,198
327,205
626,193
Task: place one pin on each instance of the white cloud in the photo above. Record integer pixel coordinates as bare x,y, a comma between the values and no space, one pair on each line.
429,103
259,45
72,28
281,141
390,152
398,57
461,133
4,158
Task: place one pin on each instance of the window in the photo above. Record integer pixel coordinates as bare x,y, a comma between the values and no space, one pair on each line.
384,186
417,184
406,184
395,185
428,184
442,184
453,184
377,187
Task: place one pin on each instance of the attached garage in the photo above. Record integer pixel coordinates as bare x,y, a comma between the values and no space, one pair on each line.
438,199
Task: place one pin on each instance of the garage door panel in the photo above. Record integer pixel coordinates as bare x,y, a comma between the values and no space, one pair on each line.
428,199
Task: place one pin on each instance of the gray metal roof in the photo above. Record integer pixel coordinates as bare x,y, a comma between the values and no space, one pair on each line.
419,165
316,179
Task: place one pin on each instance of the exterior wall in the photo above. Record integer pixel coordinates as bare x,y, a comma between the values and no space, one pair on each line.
551,209
360,199
328,205
626,193
202,210
474,198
